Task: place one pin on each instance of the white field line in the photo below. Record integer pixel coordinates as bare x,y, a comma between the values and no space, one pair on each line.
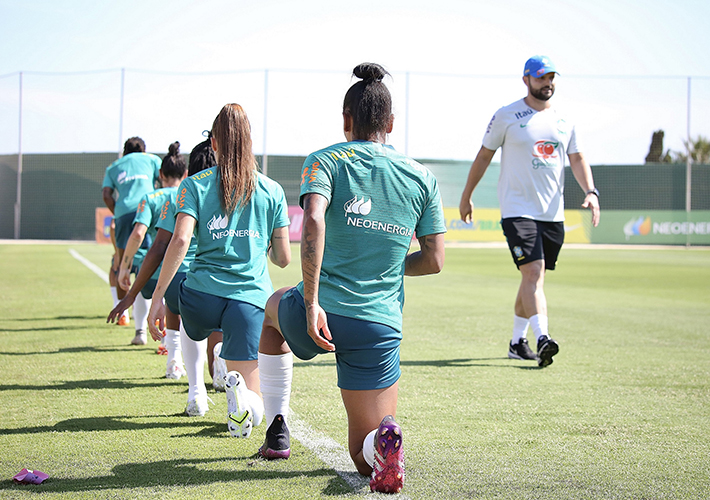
96,269
325,448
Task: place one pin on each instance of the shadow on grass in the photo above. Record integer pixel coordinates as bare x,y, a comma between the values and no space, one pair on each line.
72,350
127,423
55,318
177,473
91,384
445,363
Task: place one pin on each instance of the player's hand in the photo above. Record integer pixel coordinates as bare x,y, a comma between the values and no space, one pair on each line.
318,327
591,201
117,311
156,319
466,210
124,278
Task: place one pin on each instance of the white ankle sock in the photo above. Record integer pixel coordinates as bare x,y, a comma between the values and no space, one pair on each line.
275,375
520,328
368,448
114,296
141,308
195,356
539,325
173,345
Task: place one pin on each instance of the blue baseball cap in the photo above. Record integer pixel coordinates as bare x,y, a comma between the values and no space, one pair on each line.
538,66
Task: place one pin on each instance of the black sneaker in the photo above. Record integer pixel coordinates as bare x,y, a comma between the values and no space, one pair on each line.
278,442
546,348
521,350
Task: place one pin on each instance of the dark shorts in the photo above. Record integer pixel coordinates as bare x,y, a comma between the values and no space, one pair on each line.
172,294
530,240
239,321
366,353
123,229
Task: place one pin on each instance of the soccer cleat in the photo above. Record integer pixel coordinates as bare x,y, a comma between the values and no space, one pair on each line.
239,416
196,408
140,338
124,320
521,350
219,369
277,443
175,370
546,348
388,469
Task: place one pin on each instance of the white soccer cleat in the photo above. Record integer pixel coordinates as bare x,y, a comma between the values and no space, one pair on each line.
197,408
219,369
175,370
239,415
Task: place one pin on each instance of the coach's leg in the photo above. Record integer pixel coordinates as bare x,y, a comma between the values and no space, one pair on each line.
531,295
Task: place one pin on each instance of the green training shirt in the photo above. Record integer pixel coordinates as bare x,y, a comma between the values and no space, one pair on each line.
378,200
231,256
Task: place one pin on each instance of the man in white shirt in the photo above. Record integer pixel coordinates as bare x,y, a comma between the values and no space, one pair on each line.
535,140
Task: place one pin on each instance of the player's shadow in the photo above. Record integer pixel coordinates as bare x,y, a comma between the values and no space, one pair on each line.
443,363
55,318
94,384
182,472
126,423
74,350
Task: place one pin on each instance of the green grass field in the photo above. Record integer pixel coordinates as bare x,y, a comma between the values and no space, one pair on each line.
624,412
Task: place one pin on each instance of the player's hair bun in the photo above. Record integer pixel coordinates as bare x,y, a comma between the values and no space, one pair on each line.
174,149
370,72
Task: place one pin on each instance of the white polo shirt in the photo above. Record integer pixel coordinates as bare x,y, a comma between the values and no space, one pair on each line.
532,175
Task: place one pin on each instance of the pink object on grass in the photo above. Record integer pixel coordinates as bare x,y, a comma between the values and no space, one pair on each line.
27,477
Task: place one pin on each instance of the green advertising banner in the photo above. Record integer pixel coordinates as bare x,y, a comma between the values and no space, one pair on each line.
653,227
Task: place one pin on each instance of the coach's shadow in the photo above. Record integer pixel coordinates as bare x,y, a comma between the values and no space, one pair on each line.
180,472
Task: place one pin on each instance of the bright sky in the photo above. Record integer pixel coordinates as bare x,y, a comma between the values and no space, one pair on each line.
623,70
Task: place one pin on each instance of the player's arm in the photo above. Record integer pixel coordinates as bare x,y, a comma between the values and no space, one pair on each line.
107,195
583,174
430,257
280,247
174,255
132,246
312,245
475,174
151,261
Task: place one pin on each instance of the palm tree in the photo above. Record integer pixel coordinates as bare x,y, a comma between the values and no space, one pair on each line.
699,151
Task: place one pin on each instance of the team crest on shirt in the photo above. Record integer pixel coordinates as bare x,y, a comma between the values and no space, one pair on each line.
545,154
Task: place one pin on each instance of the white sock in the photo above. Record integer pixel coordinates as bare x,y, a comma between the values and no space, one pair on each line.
368,448
141,308
195,356
539,325
275,375
173,345
520,328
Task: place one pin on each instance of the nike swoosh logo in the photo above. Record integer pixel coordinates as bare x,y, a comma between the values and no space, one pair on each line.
523,125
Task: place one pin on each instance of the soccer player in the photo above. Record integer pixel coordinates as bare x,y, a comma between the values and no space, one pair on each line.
201,158
239,217
125,182
363,202
173,170
535,139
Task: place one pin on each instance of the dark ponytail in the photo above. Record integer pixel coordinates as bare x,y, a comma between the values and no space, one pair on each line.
368,101
173,165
